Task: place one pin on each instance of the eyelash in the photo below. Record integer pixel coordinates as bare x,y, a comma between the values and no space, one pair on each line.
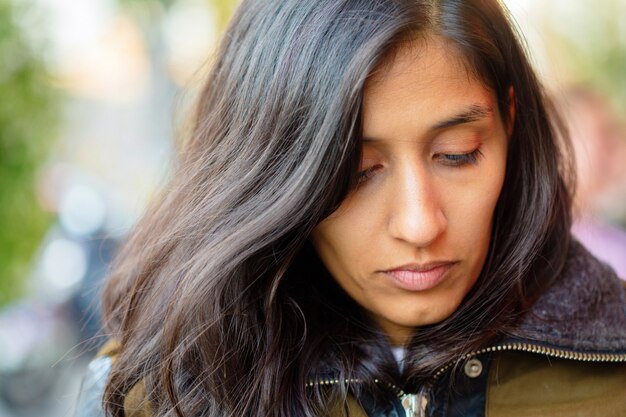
367,174
458,160
451,160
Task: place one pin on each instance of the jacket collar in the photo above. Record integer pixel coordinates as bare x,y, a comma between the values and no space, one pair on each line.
584,310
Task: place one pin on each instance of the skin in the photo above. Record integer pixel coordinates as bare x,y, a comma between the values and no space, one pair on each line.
422,197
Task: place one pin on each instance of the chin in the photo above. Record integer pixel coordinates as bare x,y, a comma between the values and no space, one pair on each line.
430,315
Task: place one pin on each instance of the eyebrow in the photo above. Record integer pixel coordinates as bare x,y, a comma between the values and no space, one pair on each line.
474,113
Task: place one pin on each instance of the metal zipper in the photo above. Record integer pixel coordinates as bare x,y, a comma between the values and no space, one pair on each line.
330,381
540,350
415,404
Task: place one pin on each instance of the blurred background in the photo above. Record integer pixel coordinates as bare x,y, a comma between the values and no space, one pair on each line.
92,95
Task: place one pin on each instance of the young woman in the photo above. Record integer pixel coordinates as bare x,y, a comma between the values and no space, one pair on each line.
371,218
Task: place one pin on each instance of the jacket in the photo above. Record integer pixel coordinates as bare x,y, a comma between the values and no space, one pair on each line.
567,357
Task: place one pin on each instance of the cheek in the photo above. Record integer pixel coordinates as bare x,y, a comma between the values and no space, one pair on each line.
341,239
348,243
351,229
471,206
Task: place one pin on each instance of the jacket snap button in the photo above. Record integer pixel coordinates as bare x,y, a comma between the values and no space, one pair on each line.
473,368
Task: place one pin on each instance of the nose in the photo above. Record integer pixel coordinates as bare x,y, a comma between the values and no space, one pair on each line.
416,214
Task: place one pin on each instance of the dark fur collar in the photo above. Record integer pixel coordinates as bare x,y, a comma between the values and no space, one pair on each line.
585,309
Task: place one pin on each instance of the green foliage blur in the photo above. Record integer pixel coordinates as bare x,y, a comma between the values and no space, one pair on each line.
224,8
28,115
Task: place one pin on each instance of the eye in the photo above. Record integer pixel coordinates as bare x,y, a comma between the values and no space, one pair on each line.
461,159
368,173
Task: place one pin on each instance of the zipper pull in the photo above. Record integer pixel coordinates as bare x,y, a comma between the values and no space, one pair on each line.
409,402
415,404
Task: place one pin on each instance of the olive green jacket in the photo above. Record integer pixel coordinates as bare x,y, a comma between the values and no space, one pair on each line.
566,358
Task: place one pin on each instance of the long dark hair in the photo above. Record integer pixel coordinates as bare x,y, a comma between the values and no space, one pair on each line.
220,304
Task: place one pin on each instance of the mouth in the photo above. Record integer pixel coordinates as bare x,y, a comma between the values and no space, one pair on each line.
419,277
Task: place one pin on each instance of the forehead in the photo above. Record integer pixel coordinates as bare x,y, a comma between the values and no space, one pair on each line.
422,81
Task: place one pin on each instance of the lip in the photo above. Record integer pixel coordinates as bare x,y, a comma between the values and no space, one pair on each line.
419,277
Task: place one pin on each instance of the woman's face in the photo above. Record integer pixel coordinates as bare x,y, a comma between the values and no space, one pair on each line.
410,241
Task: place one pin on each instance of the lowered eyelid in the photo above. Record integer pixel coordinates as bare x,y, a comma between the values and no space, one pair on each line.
456,145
